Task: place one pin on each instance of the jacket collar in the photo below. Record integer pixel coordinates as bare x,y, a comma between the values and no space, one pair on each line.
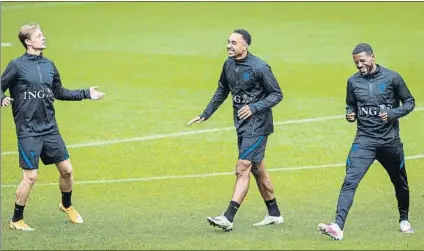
33,57
374,74
244,59
377,71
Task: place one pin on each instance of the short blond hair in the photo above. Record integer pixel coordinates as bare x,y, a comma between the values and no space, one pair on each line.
26,31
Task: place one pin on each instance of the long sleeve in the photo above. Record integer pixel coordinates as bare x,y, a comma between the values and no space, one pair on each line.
219,97
62,93
7,78
350,99
270,85
402,94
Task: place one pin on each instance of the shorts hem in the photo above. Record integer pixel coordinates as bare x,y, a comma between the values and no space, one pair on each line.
28,168
253,161
55,161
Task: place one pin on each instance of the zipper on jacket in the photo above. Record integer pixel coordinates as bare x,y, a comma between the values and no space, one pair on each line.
370,90
236,70
253,128
395,127
39,72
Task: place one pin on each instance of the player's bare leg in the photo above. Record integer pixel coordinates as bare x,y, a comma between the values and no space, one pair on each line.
263,181
29,177
242,180
66,181
241,187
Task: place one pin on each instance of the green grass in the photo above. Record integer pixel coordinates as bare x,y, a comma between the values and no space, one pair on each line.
159,64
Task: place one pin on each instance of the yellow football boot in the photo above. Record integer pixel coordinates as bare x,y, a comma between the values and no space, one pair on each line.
72,213
20,225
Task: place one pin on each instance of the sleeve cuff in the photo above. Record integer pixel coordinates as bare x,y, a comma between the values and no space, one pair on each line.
86,94
252,108
391,115
203,116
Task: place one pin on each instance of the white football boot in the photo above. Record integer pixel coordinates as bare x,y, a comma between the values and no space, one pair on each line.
333,230
221,222
268,220
405,227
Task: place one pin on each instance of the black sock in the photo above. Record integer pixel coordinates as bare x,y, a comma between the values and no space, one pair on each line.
66,199
18,213
232,210
272,207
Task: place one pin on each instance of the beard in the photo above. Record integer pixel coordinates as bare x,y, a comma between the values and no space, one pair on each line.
366,69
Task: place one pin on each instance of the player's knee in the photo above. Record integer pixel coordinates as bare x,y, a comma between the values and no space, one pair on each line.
65,169
30,177
243,168
350,183
66,173
257,170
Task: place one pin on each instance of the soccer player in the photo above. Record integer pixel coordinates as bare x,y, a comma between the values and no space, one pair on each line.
34,83
373,99
255,91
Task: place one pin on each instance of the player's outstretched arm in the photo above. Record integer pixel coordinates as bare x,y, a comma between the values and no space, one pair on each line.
95,94
218,98
197,119
62,93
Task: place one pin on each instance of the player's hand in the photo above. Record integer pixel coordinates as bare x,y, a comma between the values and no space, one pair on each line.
6,101
384,116
351,117
244,112
197,119
95,94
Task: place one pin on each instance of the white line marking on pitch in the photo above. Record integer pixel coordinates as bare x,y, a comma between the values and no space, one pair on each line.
203,175
179,134
6,44
29,6
194,132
